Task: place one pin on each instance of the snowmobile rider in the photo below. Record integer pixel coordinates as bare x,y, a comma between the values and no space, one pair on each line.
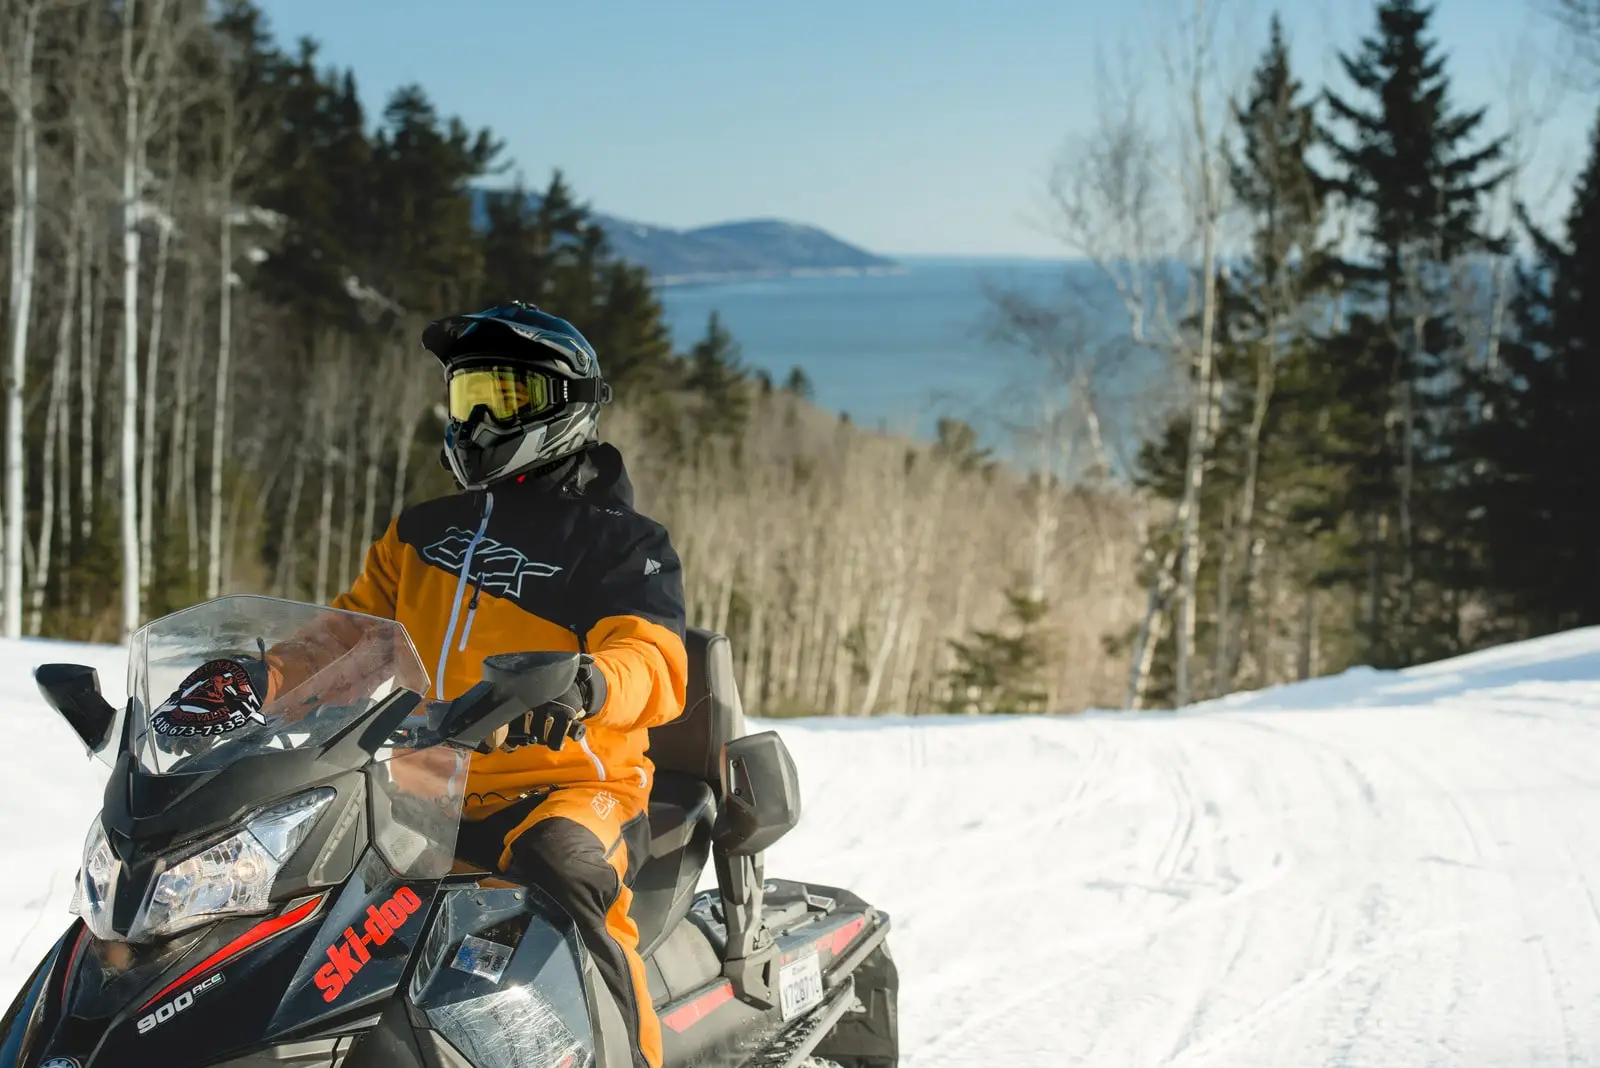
542,550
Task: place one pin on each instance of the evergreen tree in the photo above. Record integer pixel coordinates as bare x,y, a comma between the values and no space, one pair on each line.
423,253
516,250
1405,164
798,383
998,671
956,442
1532,497
1257,464
545,248
319,169
625,321
716,374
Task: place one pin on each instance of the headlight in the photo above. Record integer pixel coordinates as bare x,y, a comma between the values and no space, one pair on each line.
228,878
91,899
233,877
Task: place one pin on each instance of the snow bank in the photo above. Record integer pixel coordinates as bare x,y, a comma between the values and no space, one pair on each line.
1373,869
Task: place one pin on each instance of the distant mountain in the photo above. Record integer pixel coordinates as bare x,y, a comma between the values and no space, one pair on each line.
756,248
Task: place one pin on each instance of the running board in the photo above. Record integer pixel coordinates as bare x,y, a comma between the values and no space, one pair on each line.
795,1045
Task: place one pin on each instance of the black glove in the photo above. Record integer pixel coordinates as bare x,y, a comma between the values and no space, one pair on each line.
552,723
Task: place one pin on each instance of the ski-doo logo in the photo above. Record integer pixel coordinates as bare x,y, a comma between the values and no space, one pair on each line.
496,566
349,955
216,698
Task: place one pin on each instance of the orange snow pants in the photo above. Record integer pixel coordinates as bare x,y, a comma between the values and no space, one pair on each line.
582,844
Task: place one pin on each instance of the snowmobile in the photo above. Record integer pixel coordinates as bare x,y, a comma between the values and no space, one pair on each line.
273,878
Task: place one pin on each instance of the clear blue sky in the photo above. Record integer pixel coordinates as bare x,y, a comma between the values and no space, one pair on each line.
906,126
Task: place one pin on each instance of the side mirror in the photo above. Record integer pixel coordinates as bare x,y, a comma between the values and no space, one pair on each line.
761,794
513,683
74,691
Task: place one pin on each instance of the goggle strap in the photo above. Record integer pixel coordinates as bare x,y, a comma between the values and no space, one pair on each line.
590,390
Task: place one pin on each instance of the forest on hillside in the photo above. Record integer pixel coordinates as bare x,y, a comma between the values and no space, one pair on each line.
219,266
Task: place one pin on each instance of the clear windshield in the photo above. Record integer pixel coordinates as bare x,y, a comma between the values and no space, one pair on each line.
243,674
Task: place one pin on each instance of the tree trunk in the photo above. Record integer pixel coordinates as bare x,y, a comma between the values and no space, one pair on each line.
1377,534
152,368
191,493
347,522
130,342
325,516
1044,522
1202,404
24,253
906,565
183,392
1158,628
86,384
64,496
755,655
405,431
55,423
1149,635
1194,477
287,548
1408,569
1219,647
376,447
1144,646
1308,635
1266,383
219,409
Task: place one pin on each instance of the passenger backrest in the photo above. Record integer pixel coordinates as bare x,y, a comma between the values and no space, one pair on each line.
692,743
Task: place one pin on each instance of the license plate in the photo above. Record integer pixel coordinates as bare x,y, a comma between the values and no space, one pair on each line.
800,986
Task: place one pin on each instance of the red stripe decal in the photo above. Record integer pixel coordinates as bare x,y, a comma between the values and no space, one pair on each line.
686,1016
72,960
257,934
847,934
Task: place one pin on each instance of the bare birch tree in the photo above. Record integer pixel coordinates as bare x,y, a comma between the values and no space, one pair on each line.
243,125
165,221
19,40
1112,201
1107,204
150,54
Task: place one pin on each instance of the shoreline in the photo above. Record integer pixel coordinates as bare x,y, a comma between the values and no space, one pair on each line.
723,277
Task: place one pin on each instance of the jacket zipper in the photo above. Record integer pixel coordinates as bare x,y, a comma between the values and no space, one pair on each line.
461,587
599,768
472,611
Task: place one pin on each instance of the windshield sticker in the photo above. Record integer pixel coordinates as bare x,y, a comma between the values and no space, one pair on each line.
350,954
483,958
216,698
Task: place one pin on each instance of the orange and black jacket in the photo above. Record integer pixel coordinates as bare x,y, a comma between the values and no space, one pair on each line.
559,561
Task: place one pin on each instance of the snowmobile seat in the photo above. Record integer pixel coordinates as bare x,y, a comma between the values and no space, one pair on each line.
687,753
712,715
682,810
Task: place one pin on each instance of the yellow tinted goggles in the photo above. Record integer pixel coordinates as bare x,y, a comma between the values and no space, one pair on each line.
511,394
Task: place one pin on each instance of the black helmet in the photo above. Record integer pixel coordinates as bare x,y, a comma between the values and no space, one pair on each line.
524,390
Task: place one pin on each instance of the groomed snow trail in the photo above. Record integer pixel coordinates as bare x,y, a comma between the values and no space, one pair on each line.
1372,870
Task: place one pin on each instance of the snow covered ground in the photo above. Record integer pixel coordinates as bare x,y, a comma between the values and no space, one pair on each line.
1369,870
